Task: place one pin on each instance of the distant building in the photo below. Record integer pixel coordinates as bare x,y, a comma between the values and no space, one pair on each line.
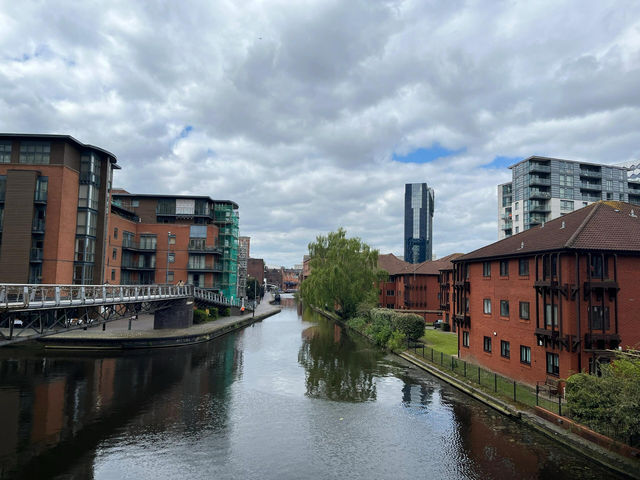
545,188
556,299
54,206
243,256
255,269
168,238
274,276
291,278
418,222
414,287
306,267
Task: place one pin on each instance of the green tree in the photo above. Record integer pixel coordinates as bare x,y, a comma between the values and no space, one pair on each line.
254,288
344,273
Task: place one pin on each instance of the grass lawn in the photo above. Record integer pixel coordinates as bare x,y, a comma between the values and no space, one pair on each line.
445,342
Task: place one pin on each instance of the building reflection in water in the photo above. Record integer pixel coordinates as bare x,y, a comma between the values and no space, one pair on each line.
58,406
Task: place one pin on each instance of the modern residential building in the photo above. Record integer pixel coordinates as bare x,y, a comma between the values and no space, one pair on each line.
418,222
168,238
54,197
545,188
553,300
414,287
244,245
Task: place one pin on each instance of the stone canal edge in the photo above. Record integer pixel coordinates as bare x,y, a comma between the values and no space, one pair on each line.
153,338
618,463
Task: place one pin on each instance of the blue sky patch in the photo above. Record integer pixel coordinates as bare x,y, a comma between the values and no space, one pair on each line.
186,131
426,155
502,162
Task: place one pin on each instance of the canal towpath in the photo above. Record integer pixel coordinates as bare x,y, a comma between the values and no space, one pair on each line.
128,334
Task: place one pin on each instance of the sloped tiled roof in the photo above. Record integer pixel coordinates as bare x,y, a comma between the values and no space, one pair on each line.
600,226
395,266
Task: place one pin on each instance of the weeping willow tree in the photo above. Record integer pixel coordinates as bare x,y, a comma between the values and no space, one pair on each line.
344,273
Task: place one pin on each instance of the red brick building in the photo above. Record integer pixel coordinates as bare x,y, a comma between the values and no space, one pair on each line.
414,287
255,269
555,299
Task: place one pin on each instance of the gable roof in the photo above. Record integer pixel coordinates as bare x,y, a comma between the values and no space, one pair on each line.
395,266
602,225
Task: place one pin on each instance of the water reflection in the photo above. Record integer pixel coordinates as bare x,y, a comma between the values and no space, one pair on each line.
57,408
338,367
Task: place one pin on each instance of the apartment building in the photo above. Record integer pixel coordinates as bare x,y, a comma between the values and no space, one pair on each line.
544,188
555,299
244,248
413,287
172,238
54,197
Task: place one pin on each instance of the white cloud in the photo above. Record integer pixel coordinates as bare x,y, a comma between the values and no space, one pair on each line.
297,108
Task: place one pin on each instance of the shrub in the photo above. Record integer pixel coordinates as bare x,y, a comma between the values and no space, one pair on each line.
446,327
397,341
213,313
226,312
199,316
357,323
410,324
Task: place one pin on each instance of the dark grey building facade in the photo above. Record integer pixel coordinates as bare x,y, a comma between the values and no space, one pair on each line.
418,222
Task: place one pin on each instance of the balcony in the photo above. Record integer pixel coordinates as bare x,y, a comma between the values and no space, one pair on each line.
507,225
204,267
138,266
591,198
590,173
539,207
462,320
634,187
536,180
537,219
539,167
535,193
37,226
201,247
591,186
138,246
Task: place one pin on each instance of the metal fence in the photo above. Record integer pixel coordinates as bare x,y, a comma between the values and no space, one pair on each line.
489,381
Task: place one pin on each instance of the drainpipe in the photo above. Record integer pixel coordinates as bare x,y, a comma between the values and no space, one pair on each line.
578,313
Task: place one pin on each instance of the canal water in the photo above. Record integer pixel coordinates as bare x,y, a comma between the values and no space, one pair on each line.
292,397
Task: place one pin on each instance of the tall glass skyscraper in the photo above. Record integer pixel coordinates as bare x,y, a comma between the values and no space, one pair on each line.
418,222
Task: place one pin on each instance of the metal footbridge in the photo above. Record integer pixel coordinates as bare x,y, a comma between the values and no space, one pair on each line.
29,311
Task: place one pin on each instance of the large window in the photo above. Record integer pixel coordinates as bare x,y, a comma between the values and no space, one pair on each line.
148,242
598,267
505,349
524,310
525,355
504,268
88,196
86,223
553,364
566,205
599,318
3,187
85,249
5,151
523,266
504,308
35,152
465,339
486,269
90,169
550,320
42,186
487,344
566,180
486,308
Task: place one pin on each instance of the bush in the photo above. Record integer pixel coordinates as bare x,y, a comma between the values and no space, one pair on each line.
226,312
199,316
213,313
446,327
410,324
397,341
357,323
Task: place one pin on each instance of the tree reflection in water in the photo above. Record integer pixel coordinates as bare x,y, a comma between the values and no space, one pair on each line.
337,366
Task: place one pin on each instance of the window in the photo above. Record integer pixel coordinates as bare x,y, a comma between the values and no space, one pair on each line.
566,180
504,268
517,205
5,151
172,239
3,187
35,152
389,305
465,339
486,269
517,218
551,321
85,249
599,318
86,223
545,266
553,364
390,293
128,239
172,257
90,169
517,229
88,196
597,264
42,185
115,233
525,355
487,306
487,344
566,205
113,274
524,310
504,308
170,277
566,192
505,349
148,242
523,266
114,255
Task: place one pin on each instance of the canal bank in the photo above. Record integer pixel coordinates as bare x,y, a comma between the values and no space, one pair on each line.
626,465
142,335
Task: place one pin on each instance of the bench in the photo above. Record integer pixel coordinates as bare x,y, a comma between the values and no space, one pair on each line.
551,385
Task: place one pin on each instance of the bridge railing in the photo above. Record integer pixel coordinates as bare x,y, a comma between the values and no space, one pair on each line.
213,297
20,296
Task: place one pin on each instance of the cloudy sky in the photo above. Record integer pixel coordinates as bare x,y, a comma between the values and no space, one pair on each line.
313,114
